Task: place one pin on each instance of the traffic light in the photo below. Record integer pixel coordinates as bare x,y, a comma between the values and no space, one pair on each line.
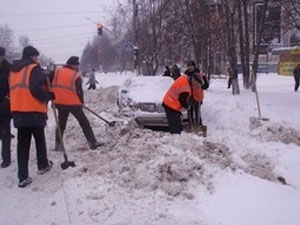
100,29
136,57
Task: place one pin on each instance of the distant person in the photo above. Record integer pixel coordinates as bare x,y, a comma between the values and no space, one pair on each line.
67,87
296,73
28,102
92,80
175,72
167,72
230,75
5,114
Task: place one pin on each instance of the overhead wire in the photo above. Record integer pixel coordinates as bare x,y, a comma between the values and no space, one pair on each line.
62,48
62,41
54,13
88,34
52,28
63,37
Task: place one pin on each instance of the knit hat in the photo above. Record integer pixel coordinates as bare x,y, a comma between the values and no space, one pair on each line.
73,60
30,51
2,51
192,63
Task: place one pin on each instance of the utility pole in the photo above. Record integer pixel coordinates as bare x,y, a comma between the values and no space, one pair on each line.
136,39
216,17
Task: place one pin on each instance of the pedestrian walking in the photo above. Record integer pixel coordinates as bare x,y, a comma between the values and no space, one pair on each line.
296,73
92,80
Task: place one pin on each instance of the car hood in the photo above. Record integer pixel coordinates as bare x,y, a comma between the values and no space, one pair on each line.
147,89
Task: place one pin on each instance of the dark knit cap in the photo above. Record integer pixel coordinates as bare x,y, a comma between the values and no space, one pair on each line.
30,51
73,60
192,63
2,51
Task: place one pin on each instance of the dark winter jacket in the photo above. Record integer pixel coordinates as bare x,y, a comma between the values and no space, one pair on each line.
175,72
296,72
4,90
167,72
37,86
204,81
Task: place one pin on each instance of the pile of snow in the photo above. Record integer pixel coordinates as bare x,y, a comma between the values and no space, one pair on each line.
277,133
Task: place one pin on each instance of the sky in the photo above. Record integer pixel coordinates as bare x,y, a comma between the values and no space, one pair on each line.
57,28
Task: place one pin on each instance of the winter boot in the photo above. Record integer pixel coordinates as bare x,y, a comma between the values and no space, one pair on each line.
5,164
25,182
47,168
95,145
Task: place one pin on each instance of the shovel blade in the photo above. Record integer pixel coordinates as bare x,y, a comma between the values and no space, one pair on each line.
65,165
197,129
112,123
257,122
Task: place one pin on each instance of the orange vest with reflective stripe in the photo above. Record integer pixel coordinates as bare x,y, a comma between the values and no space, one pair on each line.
180,85
21,99
64,87
198,93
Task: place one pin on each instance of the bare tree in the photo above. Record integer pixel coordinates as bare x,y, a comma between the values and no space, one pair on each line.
230,8
44,60
7,39
24,41
292,8
151,32
257,48
244,40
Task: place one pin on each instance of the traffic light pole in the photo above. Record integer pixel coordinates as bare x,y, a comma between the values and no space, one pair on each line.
135,48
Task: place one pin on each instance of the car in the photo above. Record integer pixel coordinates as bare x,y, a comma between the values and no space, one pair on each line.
141,97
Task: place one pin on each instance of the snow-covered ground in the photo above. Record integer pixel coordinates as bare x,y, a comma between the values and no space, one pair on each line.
241,174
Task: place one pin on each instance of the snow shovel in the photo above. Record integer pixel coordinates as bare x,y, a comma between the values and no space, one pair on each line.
110,123
66,164
196,128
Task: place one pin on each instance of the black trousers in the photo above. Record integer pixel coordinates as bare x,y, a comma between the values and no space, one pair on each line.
194,112
92,86
76,111
174,120
297,81
23,148
6,139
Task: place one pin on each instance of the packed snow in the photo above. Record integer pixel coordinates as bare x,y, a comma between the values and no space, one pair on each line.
242,174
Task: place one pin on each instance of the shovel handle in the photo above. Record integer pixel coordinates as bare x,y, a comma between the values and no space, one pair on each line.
56,119
112,123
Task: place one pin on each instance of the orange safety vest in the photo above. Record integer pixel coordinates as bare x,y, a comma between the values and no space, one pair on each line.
21,99
64,87
197,92
171,98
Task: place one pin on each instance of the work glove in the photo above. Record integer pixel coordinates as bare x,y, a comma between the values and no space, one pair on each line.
198,78
52,96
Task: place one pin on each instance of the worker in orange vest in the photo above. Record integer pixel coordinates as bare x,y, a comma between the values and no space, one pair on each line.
28,103
67,87
198,82
175,98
